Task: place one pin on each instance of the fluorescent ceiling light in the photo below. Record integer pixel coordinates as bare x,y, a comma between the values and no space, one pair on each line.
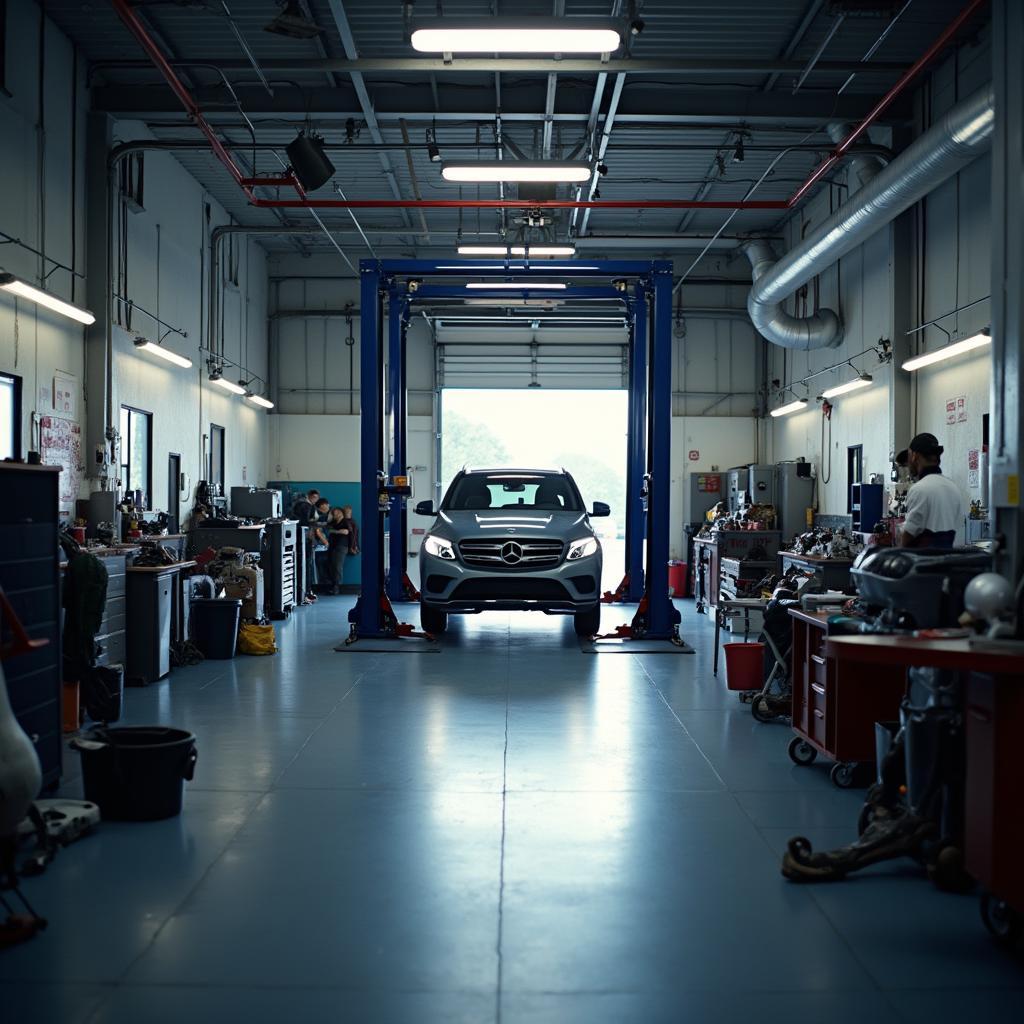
518,285
517,250
516,35
851,385
12,284
164,353
551,171
948,351
785,410
227,385
260,401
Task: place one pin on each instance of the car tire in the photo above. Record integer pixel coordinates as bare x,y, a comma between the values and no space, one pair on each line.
433,620
588,623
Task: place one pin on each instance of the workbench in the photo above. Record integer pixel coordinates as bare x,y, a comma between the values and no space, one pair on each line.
836,702
708,553
828,573
994,826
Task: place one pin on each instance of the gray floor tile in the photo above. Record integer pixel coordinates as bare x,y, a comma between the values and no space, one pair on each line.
49,1002
304,1005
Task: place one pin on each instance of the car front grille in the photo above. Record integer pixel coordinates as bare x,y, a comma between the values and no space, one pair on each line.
509,553
510,589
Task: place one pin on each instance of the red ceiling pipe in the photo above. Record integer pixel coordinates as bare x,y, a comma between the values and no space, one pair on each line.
137,29
883,104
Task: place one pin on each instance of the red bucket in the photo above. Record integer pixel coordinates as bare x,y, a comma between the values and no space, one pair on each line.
744,666
677,578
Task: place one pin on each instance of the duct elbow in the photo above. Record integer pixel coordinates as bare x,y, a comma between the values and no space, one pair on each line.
821,330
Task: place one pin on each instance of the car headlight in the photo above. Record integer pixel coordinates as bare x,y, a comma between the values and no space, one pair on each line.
439,547
582,548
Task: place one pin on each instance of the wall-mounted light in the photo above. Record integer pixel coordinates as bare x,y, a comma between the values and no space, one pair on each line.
517,250
14,285
550,171
516,35
785,410
518,285
863,381
217,378
259,400
956,348
145,345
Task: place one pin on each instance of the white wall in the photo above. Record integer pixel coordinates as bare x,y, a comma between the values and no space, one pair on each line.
35,344
184,403
951,269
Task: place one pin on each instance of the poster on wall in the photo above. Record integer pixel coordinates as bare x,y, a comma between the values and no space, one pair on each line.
956,410
973,468
60,444
65,396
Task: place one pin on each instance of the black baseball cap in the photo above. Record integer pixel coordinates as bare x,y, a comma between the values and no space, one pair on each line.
926,444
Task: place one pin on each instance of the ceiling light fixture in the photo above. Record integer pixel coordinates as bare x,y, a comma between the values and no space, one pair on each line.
145,345
948,351
517,250
227,385
550,171
785,410
292,22
433,150
518,285
862,381
259,400
516,35
14,285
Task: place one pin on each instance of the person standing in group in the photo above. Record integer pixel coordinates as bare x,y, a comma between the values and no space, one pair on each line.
338,547
304,512
353,531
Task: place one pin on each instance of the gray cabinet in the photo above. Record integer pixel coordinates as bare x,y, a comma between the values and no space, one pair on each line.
110,639
149,624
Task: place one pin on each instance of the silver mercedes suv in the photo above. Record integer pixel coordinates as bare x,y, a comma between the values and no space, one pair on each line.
515,539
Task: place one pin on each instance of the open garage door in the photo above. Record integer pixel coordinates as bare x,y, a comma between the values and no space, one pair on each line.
583,431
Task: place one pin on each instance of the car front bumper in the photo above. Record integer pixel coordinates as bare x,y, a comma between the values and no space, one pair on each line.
454,587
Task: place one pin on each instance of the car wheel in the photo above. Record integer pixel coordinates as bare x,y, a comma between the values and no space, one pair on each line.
588,623
433,620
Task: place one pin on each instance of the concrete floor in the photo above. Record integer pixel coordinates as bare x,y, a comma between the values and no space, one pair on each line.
510,831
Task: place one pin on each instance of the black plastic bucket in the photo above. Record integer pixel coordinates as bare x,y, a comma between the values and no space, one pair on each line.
136,773
215,625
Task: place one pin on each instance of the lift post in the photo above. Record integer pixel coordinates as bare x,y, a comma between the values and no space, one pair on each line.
636,285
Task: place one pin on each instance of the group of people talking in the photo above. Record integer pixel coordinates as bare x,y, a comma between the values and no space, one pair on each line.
331,529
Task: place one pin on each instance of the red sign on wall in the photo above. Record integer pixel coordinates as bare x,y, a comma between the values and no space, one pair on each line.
694,455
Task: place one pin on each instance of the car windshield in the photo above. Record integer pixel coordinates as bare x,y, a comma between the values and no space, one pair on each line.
552,492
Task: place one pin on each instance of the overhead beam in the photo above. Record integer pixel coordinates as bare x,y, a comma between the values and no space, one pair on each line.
795,39
489,65
638,105
365,103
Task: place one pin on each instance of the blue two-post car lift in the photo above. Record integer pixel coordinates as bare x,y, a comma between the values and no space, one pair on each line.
392,288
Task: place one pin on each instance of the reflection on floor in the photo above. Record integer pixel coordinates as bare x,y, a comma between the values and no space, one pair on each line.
509,831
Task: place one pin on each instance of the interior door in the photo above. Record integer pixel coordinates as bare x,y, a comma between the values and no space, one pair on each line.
173,491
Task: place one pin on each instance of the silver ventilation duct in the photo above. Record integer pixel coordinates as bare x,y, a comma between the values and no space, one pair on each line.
959,137
861,166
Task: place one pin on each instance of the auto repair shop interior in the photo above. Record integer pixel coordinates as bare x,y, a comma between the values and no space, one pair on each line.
511,511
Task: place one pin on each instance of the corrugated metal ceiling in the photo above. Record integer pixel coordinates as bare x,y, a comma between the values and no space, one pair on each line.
640,160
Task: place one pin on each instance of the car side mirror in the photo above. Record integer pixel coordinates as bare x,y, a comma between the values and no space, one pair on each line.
425,508
600,510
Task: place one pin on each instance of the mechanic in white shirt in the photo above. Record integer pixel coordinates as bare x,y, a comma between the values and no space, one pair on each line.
935,505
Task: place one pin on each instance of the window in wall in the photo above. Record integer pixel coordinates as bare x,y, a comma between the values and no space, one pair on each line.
854,471
137,452
10,415
216,474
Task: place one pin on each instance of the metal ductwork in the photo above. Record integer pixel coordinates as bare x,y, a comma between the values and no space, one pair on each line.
959,137
862,167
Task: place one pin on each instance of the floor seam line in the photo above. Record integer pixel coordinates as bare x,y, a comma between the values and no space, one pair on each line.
504,814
